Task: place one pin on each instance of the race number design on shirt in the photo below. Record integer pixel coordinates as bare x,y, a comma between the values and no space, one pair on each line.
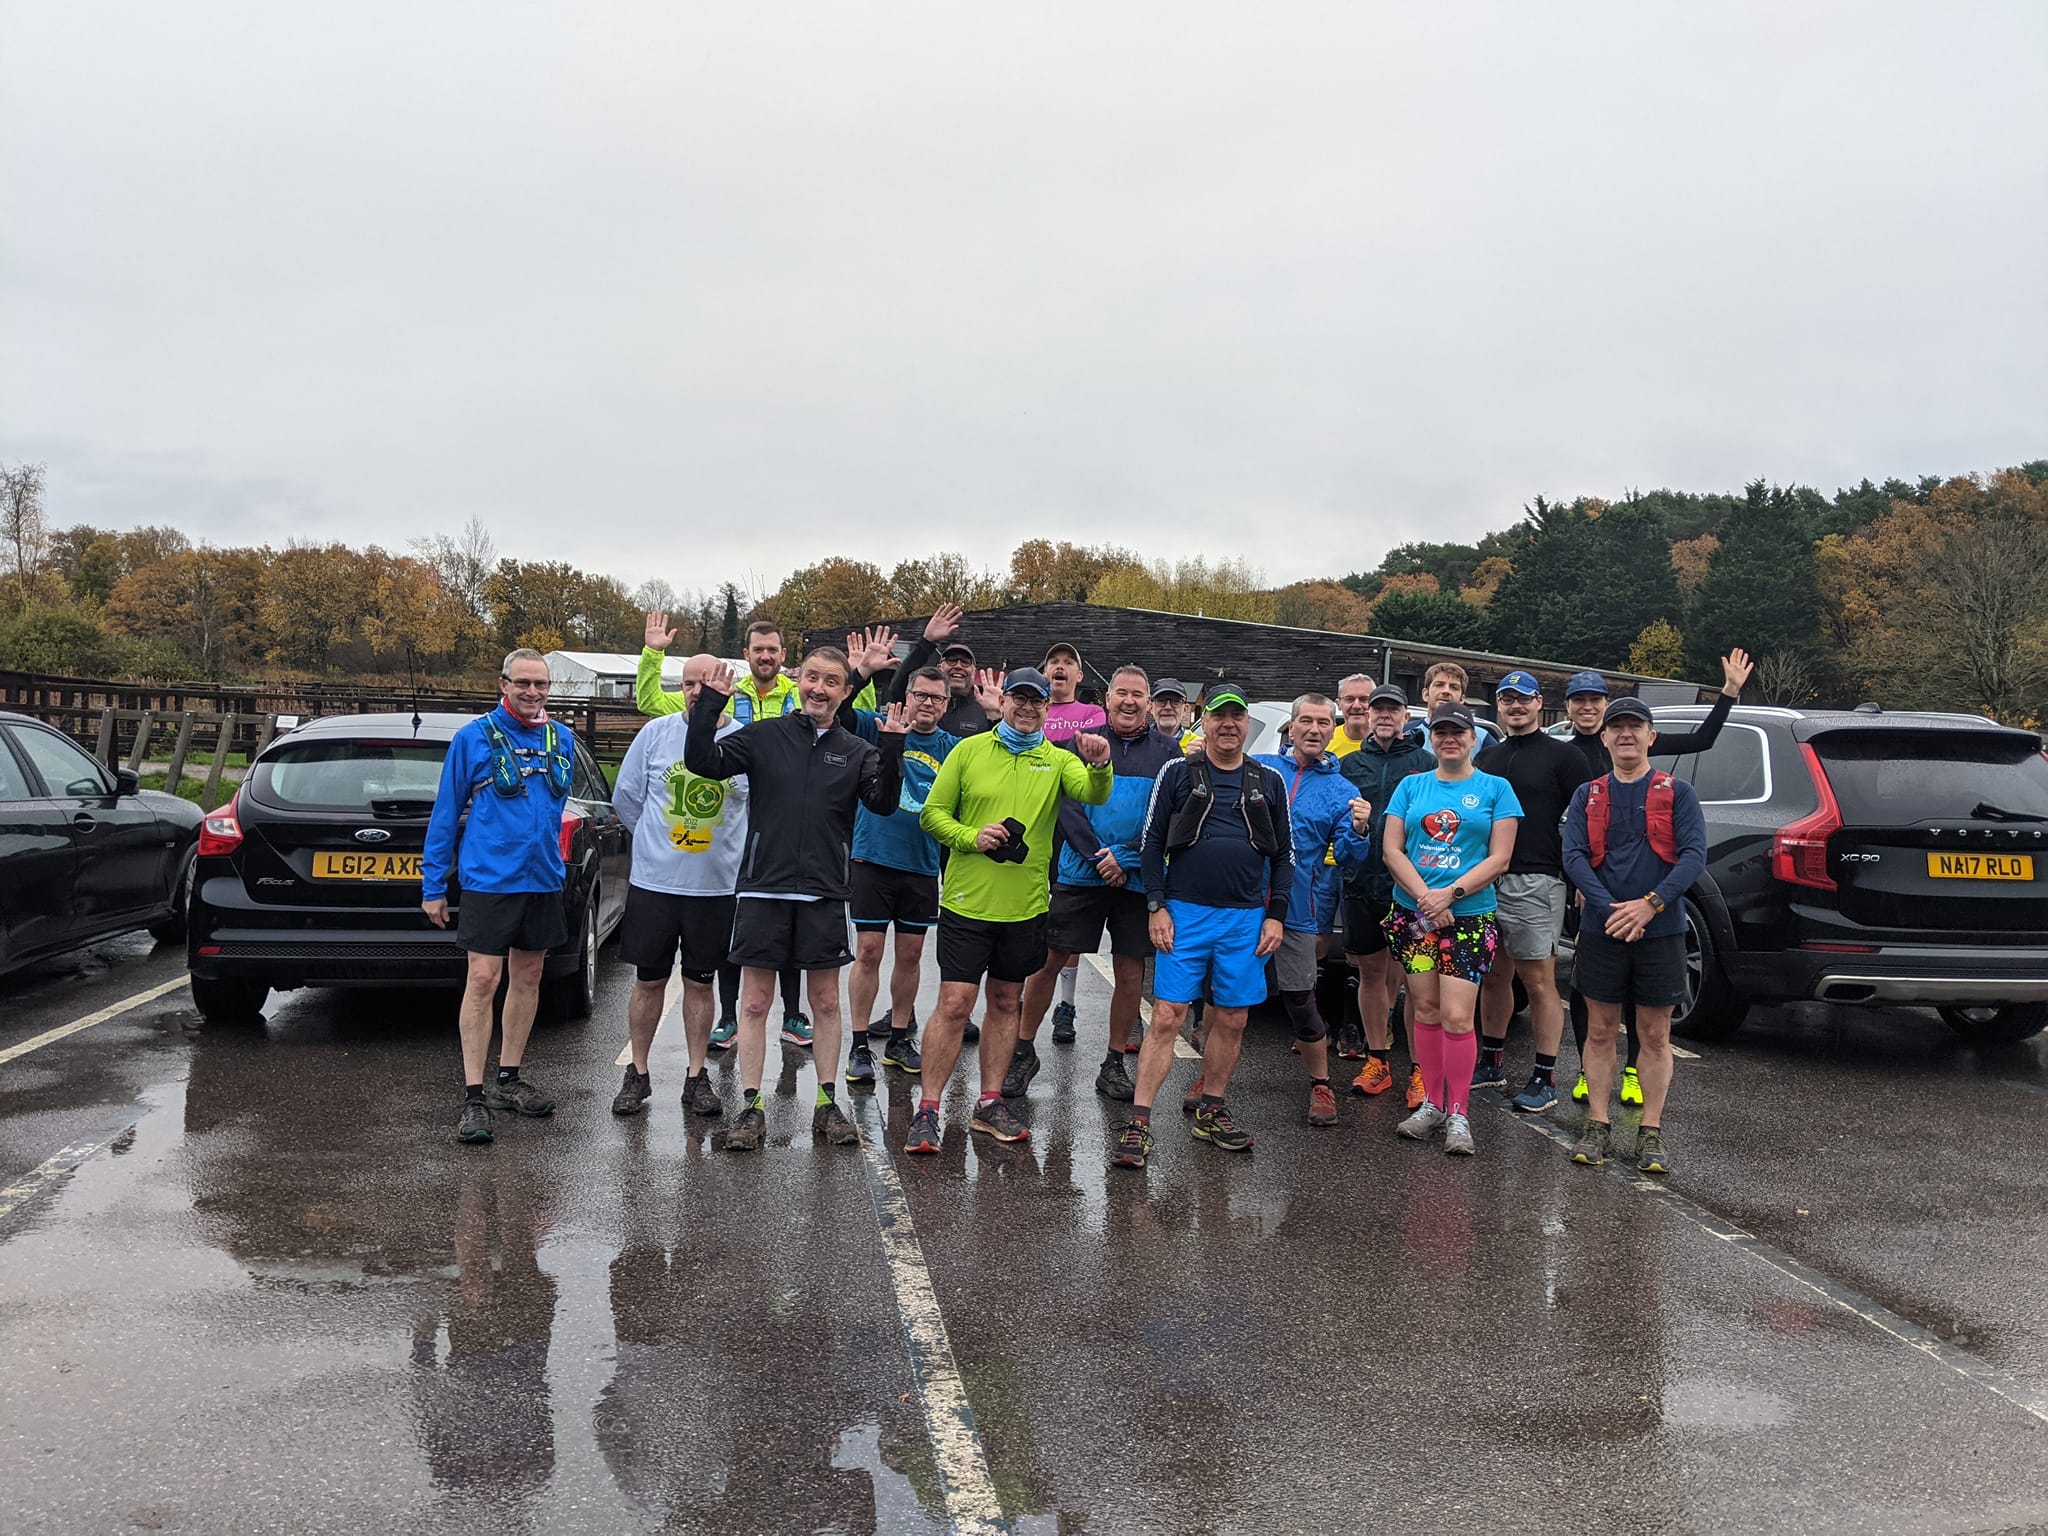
695,809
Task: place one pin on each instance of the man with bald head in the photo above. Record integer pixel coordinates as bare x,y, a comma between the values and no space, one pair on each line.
688,834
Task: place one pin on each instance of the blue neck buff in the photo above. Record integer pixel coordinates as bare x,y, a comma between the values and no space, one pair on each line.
1015,739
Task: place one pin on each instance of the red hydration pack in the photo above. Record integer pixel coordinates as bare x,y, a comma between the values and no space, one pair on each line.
1656,817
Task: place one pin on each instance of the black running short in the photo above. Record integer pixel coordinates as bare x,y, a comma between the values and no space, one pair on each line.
658,924
883,895
1362,932
772,935
1649,973
971,948
1081,912
491,924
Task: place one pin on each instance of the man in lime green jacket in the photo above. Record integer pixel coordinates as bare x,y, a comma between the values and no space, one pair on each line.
765,692
993,806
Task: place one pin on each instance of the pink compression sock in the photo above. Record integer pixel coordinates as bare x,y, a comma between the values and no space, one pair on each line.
1460,1056
1427,1042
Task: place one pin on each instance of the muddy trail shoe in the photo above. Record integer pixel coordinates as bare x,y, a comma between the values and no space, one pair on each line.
634,1092
700,1098
860,1067
519,1096
1416,1092
969,1032
1322,1105
1113,1082
1133,1145
1214,1125
1631,1086
1373,1078
1458,1136
722,1033
901,1053
829,1121
997,1119
1350,1044
747,1131
924,1132
1192,1099
1590,1150
1063,1031
475,1125
1484,1076
1535,1099
796,1031
1650,1157
1024,1066
1423,1124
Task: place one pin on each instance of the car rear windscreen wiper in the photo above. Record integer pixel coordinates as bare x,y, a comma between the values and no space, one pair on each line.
394,805
1985,810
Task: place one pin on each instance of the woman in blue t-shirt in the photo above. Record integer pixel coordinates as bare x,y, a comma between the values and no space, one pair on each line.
1449,835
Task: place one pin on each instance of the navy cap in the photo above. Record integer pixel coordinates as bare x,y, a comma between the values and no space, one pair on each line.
1028,680
1169,688
1586,682
1519,682
1388,693
1451,712
1627,707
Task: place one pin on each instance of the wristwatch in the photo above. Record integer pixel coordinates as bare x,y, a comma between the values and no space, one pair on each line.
1154,904
1656,902
1457,893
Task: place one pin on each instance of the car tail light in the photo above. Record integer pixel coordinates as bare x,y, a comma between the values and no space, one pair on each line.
221,832
571,820
1799,850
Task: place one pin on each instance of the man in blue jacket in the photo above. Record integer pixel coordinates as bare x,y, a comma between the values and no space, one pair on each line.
510,770
1098,886
1324,813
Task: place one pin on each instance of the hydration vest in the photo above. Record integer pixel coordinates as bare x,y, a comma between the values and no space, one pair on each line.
506,778
1187,822
1656,817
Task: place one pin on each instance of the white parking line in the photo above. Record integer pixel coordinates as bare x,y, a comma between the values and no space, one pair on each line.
1181,1048
45,1175
114,1010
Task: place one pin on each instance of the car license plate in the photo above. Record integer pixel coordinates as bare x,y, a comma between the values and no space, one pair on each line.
1981,866
366,866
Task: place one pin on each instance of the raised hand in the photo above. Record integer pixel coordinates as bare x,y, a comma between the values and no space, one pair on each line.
944,624
659,635
724,680
1735,669
880,651
1092,749
988,690
893,721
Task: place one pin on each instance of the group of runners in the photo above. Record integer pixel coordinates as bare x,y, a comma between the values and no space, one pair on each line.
786,823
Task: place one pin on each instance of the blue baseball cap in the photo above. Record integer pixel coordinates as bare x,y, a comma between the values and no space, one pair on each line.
1520,682
1586,682
1028,680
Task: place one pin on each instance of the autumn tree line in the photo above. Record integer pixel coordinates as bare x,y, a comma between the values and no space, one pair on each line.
1922,593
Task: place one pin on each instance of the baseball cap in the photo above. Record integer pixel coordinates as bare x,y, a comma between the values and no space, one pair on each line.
1451,712
1028,680
957,648
1062,645
1388,693
1627,707
1220,694
1519,682
1585,682
1169,688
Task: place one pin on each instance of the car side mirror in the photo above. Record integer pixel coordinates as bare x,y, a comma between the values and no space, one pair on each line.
127,782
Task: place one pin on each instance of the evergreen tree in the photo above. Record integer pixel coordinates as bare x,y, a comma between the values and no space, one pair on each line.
1761,591
1432,618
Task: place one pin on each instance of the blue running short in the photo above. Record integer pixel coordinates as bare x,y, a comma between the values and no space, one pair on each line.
1212,945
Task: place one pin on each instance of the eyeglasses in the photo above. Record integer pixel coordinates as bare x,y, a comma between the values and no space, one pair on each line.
928,698
541,686
1024,698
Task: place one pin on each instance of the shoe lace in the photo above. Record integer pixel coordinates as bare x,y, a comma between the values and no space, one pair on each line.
1219,1117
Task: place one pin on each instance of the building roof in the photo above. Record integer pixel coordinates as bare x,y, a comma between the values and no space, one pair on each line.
613,663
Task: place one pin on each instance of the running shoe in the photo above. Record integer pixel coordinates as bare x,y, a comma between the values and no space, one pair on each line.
475,1124
997,1119
796,1030
860,1066
722,1033
1374,1077
1534,1099
1133,1145
1063,1031
1350,1043
829,1121
1650,1156
1416,1092
924,1132
1322,1104
1580,1090
519,1095
1024,1065
1424,1123
1113,1082
1590,1150
747,1132
901,1053
1192,1099
700,1098
1458,1136
1631,1086
635,1091
1484,1076
1214,1125
969,1032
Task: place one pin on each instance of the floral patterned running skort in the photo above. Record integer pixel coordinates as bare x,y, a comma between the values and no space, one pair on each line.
1463,950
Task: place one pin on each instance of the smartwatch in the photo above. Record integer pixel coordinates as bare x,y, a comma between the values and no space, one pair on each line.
1656,902
1154,904
1457,893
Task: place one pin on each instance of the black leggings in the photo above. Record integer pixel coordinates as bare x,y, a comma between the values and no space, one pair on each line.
729,990
1579,1021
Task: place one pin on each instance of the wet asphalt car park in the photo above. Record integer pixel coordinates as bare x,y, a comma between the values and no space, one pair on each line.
252,1284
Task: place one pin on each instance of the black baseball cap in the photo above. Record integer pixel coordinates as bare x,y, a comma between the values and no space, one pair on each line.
1220,694
1451,712
1169,688
1388,693
1628,707
956,648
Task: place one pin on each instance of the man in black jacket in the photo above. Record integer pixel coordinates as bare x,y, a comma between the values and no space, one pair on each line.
805,774
970,712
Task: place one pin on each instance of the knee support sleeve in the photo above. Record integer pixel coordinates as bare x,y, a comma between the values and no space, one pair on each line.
1301,1010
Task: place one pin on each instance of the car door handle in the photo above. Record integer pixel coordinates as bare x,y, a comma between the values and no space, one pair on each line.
83,822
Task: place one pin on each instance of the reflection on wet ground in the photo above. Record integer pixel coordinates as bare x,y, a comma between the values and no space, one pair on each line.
279,1297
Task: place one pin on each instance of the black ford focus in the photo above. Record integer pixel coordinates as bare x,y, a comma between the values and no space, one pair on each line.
311,875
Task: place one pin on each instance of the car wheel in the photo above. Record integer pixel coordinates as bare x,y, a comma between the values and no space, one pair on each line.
1997,1024
171,930
1711,1009
228,1002
574,996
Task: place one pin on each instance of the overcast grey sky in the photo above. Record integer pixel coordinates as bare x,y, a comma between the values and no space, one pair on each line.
706,291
